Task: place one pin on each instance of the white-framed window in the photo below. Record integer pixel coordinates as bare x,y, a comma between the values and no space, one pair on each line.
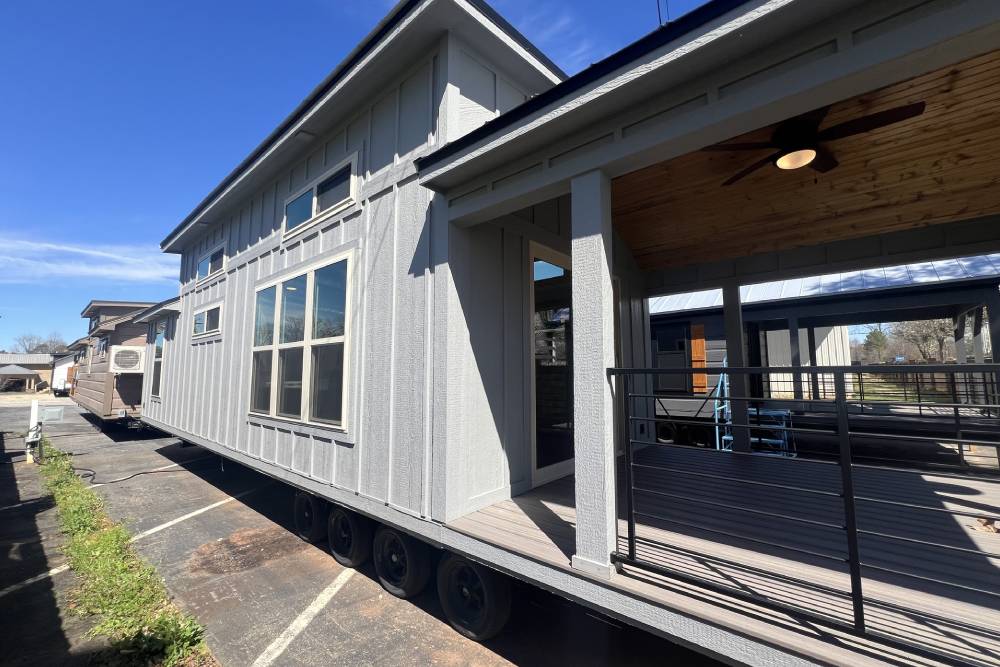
323,197
102,347
207,321
299,355
159,335
211,262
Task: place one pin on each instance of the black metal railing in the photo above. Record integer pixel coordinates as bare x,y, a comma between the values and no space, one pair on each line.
831,480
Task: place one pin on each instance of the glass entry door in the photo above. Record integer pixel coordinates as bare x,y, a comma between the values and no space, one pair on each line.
552,366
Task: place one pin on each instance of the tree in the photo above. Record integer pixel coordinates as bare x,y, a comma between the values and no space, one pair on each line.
26,343
34,344
928,336
875,343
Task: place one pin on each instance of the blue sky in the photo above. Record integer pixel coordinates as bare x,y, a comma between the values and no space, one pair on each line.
117,117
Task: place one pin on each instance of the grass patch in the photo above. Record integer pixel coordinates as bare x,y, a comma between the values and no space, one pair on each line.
123,591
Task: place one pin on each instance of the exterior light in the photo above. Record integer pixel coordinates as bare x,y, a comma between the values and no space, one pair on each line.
796,159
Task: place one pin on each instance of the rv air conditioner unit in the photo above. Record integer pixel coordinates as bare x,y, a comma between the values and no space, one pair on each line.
127,358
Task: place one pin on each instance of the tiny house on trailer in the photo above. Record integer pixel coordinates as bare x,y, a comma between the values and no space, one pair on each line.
422,301
108,378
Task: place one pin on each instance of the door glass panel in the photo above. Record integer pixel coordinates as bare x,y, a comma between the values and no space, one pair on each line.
553,359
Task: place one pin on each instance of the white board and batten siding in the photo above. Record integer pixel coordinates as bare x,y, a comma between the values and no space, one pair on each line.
384,451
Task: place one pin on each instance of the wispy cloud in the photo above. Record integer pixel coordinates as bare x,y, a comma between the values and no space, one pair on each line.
558,30
30,262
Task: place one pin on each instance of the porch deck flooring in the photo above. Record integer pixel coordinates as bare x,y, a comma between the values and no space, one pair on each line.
681,528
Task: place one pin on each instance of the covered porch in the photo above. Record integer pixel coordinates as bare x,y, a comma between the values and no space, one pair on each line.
812,545
874,515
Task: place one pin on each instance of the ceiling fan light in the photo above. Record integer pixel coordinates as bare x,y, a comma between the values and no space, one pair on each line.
796,159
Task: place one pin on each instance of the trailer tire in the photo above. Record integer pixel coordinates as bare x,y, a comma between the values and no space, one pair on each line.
402,563
349,536
475,599
310,517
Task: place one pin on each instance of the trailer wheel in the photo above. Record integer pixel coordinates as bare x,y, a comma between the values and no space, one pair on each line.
350,536
402,563
310,517
475,599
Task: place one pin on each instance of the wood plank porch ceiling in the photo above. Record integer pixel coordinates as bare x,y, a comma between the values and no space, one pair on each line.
937,168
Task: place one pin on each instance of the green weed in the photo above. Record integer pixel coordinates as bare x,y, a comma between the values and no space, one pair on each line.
124,592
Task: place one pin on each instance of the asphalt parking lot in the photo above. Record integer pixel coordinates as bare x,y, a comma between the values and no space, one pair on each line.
220,536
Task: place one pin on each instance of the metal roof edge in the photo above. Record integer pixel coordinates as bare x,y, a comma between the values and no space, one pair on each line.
663,35
375,37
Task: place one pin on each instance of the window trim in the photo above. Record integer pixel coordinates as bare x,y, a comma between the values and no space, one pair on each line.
225,258
163,353
307,345
207,332
316,218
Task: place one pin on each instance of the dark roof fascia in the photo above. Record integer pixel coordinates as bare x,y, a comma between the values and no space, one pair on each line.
519,38
156,309
853,295
97,303
663,35
332,79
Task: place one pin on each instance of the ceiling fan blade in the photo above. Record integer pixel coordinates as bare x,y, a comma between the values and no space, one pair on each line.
872,121
752,168
816,116
749,146
824,161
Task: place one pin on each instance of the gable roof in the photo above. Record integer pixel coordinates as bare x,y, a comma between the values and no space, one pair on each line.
663,35
396,16
834,284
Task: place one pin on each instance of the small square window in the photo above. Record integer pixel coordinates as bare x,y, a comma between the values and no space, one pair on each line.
299,210
334,190
207,321
211,263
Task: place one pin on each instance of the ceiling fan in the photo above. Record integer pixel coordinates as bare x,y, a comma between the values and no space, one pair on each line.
800,143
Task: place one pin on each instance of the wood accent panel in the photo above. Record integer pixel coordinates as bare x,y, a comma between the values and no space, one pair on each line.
937,168
699,359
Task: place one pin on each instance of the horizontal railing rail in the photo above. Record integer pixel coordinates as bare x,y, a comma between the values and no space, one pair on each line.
835,469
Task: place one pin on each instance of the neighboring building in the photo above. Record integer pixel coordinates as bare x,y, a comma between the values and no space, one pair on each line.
63,373
688,329
101,385
26,371
418,299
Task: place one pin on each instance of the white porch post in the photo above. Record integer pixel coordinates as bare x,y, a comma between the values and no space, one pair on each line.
593,354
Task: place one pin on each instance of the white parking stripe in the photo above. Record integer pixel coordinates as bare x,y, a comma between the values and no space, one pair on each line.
174,522
38,577
135,538
278,646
